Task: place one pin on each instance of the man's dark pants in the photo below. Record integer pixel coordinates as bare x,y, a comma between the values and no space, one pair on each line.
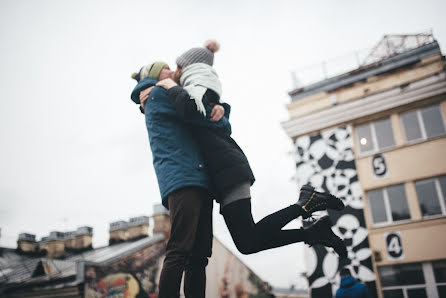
190,243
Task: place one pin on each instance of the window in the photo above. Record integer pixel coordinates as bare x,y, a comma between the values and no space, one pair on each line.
439,268
416,293
414,280
400,275
388,204
375,136
423,123
431,195
393,293
440,271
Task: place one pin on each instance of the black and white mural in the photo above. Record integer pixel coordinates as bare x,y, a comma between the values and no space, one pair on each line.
326,161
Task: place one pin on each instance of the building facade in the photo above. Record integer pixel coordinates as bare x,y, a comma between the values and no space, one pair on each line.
375,137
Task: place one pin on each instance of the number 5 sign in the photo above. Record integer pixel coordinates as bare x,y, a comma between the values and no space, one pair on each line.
394,245
379,165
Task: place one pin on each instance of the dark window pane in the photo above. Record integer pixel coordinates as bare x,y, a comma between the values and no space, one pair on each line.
442,180
428,197
406,274
417,293
433,122
441,291
398,202
439,270
376,201
364,135
411,126
384,133
393,294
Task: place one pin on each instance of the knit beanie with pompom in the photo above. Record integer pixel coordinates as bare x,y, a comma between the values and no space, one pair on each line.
199,55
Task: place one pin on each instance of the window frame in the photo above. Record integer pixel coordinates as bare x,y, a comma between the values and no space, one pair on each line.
430,284
440,197
375,148
420,119
388,208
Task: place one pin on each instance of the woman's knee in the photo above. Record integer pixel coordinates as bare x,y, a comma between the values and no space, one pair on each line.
246,247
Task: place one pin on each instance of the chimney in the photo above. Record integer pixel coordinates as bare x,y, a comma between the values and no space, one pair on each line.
118,232
70,240
84,238
56,245
161,220
138,227
43,245
26,243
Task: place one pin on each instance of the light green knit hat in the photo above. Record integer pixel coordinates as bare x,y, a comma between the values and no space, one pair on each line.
152,71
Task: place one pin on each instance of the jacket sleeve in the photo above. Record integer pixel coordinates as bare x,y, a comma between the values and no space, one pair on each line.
367,292
186,106
363,291
337,294
227,108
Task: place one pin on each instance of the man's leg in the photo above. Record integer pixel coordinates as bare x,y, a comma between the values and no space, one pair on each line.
185,206
195,271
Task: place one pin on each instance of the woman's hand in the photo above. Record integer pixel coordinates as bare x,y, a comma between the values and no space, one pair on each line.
217,112
143,95
167,83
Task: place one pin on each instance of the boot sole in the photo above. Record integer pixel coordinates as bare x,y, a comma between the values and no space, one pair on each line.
326,221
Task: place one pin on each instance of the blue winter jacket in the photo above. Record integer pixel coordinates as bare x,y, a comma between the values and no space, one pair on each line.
176,156
351,288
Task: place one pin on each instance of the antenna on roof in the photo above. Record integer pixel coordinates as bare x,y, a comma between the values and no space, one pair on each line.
394,44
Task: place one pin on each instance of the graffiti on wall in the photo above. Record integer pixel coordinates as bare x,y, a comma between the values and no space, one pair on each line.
326,161
134,276
228,277
137,275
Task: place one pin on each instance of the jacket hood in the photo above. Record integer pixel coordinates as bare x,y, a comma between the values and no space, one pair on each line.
143,84
348,281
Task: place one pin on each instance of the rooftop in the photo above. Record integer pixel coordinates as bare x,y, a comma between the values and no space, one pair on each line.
392,52
19,270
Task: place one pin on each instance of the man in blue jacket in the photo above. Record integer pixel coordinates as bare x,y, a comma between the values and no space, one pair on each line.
350,287
184,186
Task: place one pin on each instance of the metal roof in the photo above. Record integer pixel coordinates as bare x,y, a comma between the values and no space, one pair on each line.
17,269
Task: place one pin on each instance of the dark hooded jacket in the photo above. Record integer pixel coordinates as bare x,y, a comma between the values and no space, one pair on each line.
226,163
177,159
351,288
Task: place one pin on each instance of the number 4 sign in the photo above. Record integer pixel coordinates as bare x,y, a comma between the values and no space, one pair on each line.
394,245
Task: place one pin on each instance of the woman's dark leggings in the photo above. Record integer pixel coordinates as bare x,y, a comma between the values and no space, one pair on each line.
250,237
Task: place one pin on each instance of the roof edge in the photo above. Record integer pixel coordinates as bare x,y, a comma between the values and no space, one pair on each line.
388,64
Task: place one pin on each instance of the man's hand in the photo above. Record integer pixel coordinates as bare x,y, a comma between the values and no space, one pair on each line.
217,112
143,95
167,83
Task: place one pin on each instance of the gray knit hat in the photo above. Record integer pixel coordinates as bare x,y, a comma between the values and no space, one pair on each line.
199,55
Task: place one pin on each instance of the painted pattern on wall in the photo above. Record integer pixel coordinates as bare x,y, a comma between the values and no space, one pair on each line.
134,276
326,161
137,276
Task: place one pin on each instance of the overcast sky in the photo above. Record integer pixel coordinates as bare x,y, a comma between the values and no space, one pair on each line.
73,147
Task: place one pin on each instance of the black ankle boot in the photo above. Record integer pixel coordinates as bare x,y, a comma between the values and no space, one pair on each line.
320,233
311,201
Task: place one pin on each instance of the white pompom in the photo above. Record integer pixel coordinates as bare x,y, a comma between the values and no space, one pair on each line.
212,45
